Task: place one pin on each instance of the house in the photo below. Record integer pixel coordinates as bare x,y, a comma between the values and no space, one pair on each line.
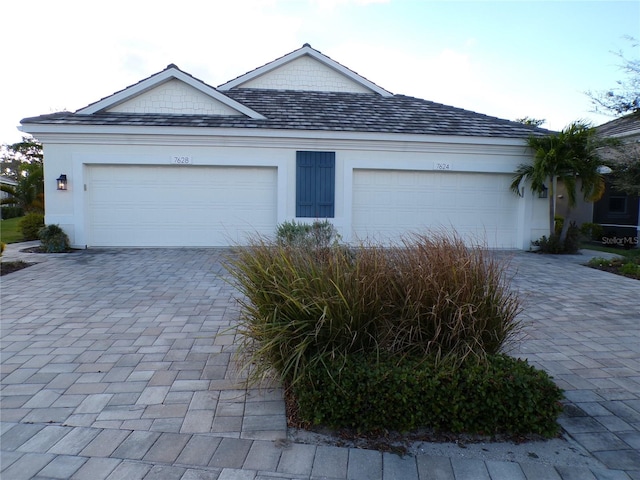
9,182
173,161
618,212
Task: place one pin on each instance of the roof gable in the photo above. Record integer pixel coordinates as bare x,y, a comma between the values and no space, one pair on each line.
170,91
305,69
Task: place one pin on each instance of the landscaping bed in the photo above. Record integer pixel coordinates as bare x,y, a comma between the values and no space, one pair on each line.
10,267
627,262
373,340
627,267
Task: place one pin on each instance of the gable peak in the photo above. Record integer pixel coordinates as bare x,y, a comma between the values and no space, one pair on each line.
309,76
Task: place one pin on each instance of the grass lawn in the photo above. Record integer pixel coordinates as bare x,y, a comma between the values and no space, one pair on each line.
631,253
10,230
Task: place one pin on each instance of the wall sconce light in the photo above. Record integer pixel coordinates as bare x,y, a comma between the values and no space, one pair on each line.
544,192
62,182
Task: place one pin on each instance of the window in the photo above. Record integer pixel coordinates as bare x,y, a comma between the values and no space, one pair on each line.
315,184
617,204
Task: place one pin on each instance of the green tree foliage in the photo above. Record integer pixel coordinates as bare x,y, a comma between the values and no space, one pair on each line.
569,155
536,122
23,162
625,175
625,97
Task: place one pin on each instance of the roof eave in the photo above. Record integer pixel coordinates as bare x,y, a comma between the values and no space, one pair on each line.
59,130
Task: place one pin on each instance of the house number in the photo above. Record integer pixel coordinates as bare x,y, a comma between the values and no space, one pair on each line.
442,166
182,160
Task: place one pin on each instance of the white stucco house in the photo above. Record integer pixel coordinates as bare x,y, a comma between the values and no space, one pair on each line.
173,161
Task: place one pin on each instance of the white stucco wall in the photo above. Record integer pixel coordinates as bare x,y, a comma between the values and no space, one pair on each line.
306,74
174,97
72,154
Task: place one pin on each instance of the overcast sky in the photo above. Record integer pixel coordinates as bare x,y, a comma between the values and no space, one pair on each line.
508,59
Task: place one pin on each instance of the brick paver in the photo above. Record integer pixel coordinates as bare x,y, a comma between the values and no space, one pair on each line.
117,364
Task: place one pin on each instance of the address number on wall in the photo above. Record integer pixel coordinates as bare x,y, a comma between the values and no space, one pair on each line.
182,159
442,166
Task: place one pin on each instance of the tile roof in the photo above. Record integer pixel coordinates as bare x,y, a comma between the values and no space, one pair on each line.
325,111
621,126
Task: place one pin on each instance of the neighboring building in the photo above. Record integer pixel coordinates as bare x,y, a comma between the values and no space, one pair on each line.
8,182
172,161
618,212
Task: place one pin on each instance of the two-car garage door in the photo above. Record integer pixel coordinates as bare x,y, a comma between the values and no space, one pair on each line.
390,203
218,206
178,205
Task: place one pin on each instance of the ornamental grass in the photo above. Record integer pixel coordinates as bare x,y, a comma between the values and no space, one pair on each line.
431,297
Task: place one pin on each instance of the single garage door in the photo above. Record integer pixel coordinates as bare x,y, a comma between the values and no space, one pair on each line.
178,205
391,203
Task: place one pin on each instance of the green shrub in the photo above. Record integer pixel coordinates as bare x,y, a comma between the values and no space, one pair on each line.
572,239
552,244
558,224
630,268
366,393
592,231
319,234
433,297
30,225
7,212
2,247
599,262
292,232
53,239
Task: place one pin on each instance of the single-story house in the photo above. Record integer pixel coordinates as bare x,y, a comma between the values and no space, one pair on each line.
617,212
173,161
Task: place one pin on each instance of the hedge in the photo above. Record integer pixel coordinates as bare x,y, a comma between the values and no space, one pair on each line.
502,396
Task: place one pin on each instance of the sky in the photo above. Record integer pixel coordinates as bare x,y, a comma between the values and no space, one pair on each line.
508,59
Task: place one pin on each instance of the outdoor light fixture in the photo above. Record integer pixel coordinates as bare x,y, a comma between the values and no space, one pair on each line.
62,182
544,192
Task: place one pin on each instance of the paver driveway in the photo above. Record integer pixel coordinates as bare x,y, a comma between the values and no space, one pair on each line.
115,364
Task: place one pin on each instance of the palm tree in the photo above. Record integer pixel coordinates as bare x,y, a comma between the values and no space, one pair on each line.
29,192
569,155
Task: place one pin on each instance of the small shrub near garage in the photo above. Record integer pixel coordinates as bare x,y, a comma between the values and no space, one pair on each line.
30,225
53,239
319,234
555,244
367,393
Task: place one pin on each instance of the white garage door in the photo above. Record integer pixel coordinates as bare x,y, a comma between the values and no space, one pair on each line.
391,203
178,205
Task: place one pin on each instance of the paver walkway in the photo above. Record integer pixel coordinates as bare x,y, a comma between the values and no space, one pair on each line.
116,365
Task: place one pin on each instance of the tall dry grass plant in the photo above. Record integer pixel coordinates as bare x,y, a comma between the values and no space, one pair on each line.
432,298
